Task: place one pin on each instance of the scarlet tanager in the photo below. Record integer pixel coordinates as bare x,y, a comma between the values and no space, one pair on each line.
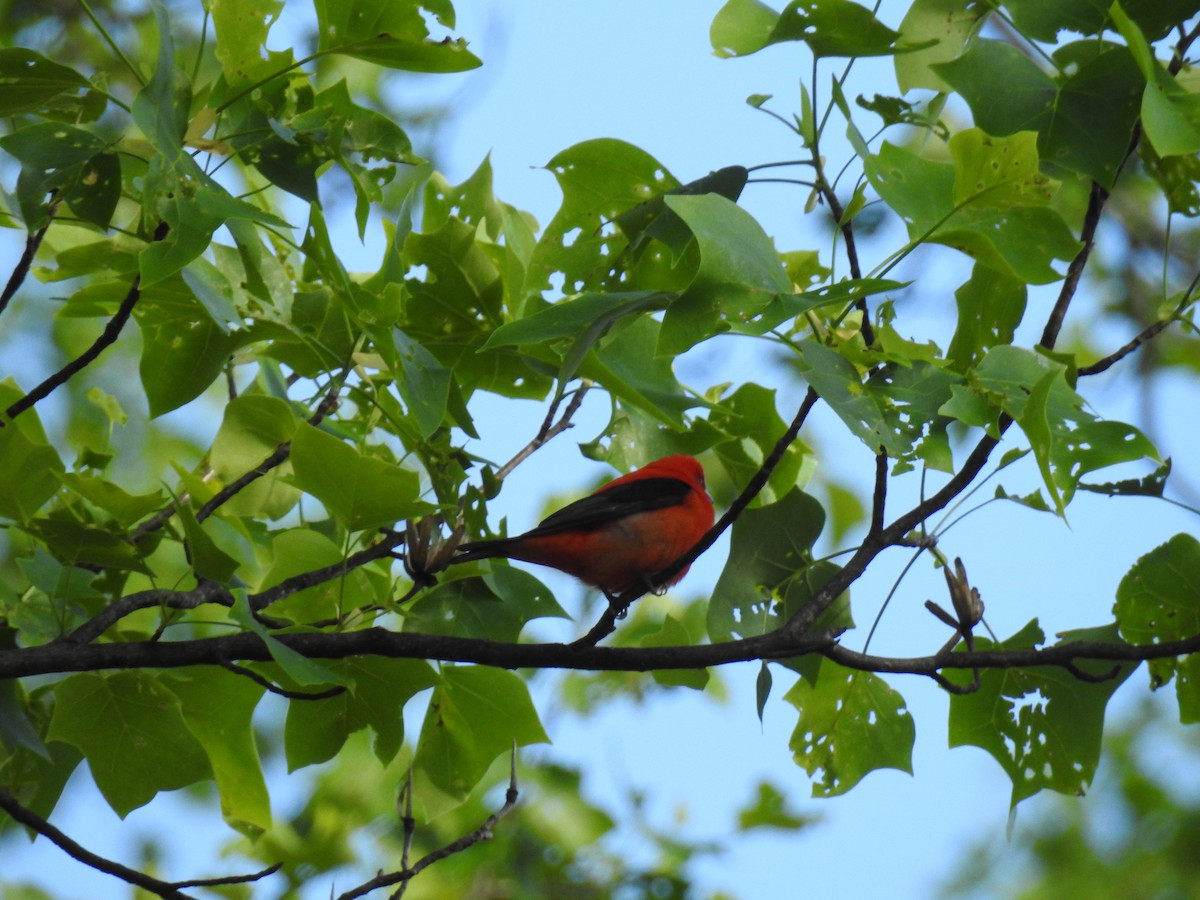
620,535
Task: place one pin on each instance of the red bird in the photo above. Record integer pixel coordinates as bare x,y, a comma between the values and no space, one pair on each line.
618,537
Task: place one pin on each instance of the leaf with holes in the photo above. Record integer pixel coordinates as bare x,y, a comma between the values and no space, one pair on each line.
851,723
1043,725
1159,600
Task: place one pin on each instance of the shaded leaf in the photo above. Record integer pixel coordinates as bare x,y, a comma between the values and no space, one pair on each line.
851,723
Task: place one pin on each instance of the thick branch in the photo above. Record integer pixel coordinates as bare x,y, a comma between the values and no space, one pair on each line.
248,647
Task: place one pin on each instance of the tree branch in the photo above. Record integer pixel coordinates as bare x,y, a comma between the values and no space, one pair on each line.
32,241
549,430
210,592
406,874
32,820
1146,334
277,457
62,657
107,337
1091,220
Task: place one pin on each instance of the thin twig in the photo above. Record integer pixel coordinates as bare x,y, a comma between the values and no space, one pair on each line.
482,833
277,457
32,820
205,592
107,337
230,879
1103,365
210,592
32,241
1091,220
547,431
276,689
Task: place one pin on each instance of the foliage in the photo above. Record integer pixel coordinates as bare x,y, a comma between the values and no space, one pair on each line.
157,588
1134,837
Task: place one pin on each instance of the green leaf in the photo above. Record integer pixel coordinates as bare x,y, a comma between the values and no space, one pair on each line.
840,385
495,607
585,317
675,634
302,670
1084,121
218,707
739,272
391,34
300,550
132,732
317,729
125,508
948,24
834,28
73,163
215,292
1021,241
600,179
38,781
1042,724
627,364
1026,100
851,723
253,427
476,714
208,560
1068,442
1170,113
1158,600
194,206
362,491
762,689
770,548
770,810
161,108
990,307
741,27
999,172
183,349
424,383
829,27
241,28
77,543
748,418
16,729
1151,485
29,81
24,448
1043,21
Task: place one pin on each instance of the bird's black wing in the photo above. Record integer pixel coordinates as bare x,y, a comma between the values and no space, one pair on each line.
630,498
